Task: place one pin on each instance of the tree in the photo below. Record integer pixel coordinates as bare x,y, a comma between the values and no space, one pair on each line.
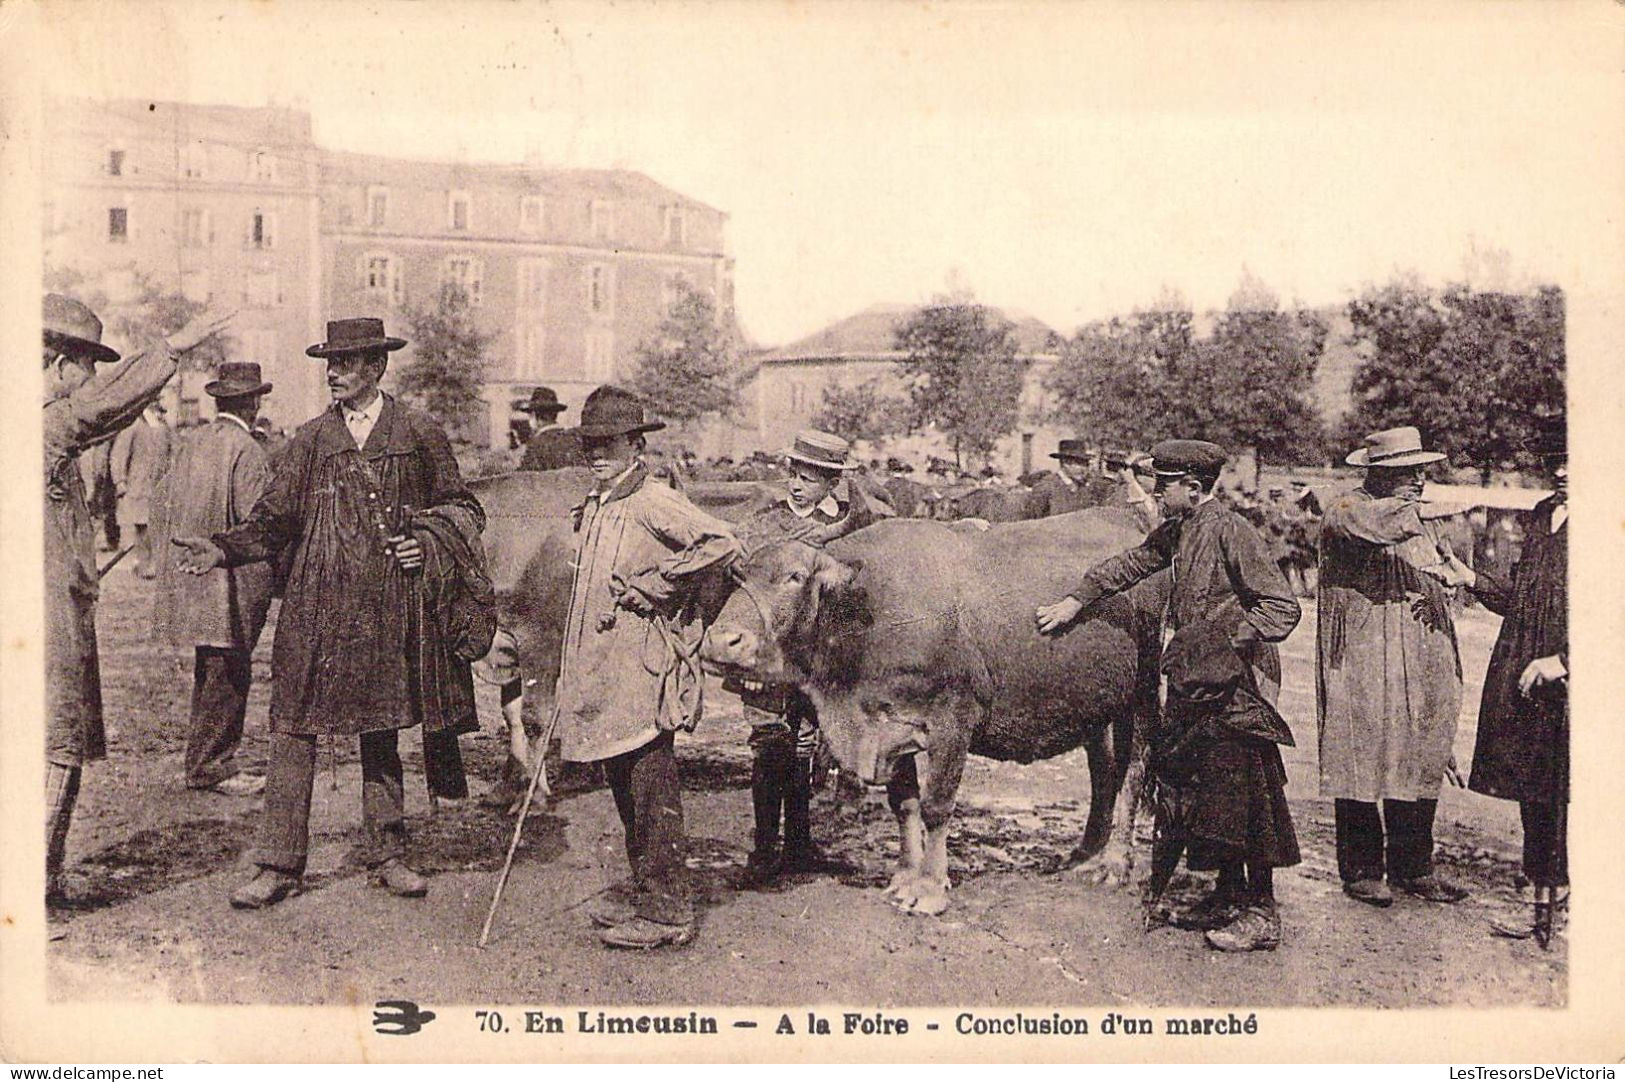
963,373
688,369
862,411
1261,376
1115,382
446,370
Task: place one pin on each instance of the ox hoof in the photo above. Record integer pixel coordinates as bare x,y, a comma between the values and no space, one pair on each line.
918,895
1111,867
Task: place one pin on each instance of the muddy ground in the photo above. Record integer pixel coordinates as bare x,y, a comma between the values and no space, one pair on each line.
158,863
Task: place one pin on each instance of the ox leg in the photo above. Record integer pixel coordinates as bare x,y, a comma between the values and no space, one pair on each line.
903,794
1116,780
927,893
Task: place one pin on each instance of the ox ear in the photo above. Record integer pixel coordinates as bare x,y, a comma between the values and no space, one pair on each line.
832,574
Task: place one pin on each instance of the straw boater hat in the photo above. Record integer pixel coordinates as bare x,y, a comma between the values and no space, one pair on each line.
72,328
354,336
821,449
236,378
610,411
1393,447
542,400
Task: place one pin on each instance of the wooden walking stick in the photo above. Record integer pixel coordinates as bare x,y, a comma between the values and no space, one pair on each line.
538,777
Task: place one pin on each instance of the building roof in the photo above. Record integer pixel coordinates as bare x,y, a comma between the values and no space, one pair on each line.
871,334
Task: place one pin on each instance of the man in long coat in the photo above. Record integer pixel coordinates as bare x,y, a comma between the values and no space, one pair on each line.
139,459
1388,675
219,475
551,446
629,675
1229,596
1522,751
84,406
355,654
1078,484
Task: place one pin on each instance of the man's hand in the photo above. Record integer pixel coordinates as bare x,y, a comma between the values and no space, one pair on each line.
1542,671
206,323
1052,618
198,555
407,550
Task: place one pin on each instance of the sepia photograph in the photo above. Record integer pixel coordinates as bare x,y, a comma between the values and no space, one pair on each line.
720,530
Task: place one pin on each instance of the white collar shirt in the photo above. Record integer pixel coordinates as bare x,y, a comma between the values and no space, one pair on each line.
362,421
236,420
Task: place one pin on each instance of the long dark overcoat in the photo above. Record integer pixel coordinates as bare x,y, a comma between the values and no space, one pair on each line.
347,654
1522,751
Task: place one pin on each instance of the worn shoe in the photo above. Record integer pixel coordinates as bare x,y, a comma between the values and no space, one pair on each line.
611,908
1215,910
1257,929
809,858
643,934
240,785
761,868
1370,891
267,888
1433,889
399,880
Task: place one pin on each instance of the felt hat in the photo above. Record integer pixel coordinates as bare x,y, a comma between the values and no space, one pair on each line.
71,327
1393,447
542,400
824,450
1073,449
235,378
1180,458
611,411
354,336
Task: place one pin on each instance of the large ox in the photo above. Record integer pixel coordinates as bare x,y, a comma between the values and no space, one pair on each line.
917,643
996,504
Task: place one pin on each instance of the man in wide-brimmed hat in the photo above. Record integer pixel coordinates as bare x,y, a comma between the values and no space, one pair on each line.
219,474
551,446
1389,674
368,502
628,675
1078,484
784,724
1221,782
84,406
1522,749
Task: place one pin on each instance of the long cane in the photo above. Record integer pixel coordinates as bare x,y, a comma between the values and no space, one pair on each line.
538,777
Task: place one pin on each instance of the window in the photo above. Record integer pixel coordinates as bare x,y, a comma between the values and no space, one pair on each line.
464,271
377,206
118,225
601,219
262,165
674,227
115,163
600,354
262,290
197,228
532,297
529,340
195,285
530,214
194,160
262,230
381,277
459,209
601,291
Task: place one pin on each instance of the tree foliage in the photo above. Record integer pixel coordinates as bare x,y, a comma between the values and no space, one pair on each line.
688,369
863,411
446,370
1473,369
963,373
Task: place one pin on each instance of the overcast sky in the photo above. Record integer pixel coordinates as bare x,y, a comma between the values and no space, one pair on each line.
1068,160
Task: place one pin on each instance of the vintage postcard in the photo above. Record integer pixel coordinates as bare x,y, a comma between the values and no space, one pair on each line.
851,532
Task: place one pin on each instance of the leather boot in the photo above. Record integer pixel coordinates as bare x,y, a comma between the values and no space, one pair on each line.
770,777
801,854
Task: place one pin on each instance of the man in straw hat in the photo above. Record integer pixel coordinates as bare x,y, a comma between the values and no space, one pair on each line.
1221,782
219,475
1388,674
358,496
784,724
629,675
84,406
551,446
1522,750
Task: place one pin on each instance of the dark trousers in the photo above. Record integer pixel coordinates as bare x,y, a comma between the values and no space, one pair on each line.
1545,843
284,837
443,765
650,802
1398,839
220,681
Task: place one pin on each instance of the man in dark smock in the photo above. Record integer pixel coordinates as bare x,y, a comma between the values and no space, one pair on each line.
1229,604
551,446
355,653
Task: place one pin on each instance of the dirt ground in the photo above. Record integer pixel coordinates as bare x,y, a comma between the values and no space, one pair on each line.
159,862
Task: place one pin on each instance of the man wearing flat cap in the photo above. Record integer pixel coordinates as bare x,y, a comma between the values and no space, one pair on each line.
220,473
551,446
1216,760
1388,674
368,503
628,674
84,406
